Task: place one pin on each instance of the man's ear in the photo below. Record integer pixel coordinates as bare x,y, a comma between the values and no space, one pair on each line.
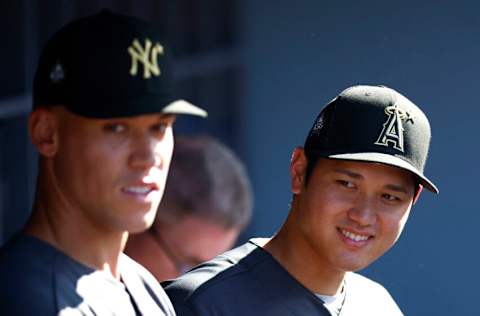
43,130
417,194
298,168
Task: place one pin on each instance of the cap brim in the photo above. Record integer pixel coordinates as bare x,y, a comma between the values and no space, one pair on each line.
388,160
184,107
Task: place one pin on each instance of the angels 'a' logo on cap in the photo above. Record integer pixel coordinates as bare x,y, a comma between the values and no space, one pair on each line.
392,132
148,56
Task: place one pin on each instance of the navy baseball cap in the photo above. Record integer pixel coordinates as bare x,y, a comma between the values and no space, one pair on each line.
373,124
108,65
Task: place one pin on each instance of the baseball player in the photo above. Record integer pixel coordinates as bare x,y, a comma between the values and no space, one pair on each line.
353,183
102,123
207,202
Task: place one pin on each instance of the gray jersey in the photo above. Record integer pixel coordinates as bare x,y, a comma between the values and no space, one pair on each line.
37,279
249,281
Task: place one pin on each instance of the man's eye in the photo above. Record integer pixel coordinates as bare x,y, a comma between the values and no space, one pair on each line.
346,183
390,197
115,128
160,127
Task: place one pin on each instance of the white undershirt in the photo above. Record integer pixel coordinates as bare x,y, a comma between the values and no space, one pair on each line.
334,303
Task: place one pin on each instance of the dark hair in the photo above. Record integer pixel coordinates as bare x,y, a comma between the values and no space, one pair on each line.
207,180
311,163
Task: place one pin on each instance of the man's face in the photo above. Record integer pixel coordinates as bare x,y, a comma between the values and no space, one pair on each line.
185,244
349,213
113,171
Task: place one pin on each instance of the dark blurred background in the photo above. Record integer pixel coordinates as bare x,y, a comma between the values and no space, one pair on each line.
263,70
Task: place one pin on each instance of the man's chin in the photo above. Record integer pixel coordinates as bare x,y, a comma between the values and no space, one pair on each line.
353,265
142,224
139,228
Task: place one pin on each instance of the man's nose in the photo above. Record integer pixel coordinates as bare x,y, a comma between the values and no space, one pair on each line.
363,211
144,154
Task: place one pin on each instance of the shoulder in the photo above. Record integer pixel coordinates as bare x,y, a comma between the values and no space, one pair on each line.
215,271
227,276
26,259
369,295
142,284
131,266
26,275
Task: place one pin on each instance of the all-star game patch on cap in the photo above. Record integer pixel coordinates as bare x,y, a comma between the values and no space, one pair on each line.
108,65
373,124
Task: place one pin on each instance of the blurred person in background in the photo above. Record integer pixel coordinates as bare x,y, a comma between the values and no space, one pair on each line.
207,203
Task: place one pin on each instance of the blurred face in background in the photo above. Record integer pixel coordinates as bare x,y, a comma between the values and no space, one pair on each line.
168,251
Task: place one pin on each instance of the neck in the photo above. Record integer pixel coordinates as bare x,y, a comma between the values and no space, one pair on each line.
298,257
143,249
68,230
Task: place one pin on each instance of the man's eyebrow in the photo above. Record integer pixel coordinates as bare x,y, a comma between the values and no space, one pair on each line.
166,116
397,188
391,186
349,173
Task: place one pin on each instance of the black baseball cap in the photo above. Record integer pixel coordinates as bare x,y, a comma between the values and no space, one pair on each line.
108,65
373,124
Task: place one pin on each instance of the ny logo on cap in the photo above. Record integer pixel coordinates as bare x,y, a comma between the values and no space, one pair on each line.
140,54
392,131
